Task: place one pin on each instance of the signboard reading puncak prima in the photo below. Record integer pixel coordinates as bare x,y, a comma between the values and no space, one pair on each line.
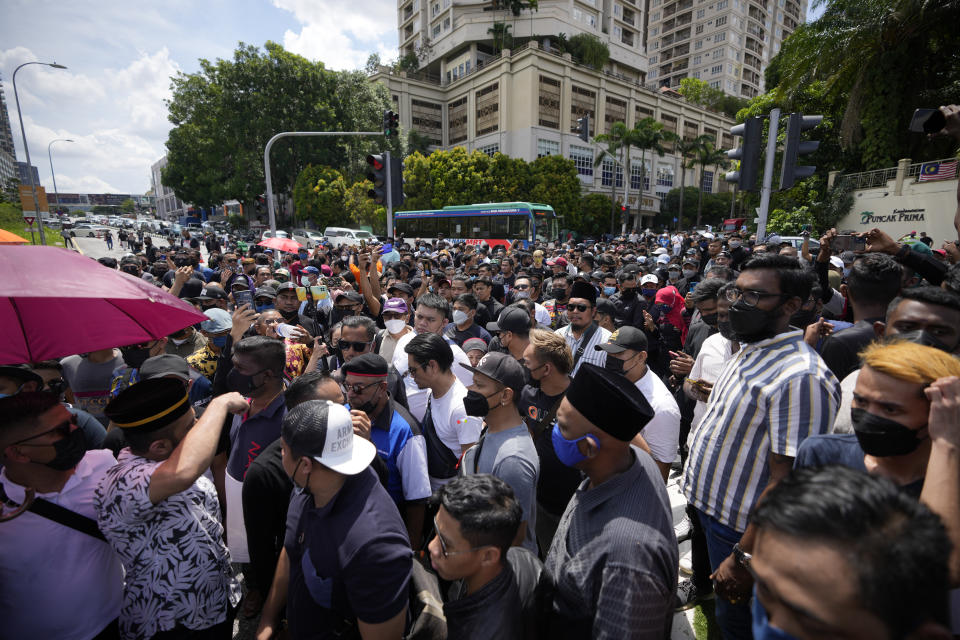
898,215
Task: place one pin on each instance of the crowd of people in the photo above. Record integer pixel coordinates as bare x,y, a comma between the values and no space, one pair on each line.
433,439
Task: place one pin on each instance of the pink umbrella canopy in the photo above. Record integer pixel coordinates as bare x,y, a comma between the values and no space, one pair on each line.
55,302
281,244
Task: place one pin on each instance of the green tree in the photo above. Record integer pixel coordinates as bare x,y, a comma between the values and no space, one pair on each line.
500,32
459,177
361,208
514,6
554,181
648,135
128,206
418,186
590,50
224,114
685,148
511,177
859,50
617,141
318,195
592,220
707,155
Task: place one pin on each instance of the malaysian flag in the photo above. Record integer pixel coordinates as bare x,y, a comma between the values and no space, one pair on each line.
938,171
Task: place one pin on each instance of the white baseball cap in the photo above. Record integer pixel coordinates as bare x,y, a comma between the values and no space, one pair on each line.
649,278
323,430
663,259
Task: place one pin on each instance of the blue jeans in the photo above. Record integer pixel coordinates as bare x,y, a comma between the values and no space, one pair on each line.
734,620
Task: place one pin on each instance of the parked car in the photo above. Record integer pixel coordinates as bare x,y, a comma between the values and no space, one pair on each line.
88,230
309,238
269,234
337,236
797,241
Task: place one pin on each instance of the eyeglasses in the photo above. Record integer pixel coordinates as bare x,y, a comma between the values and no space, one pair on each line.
62,429
357,389
443,545
522,287
578,307
751,297
412,371
343,345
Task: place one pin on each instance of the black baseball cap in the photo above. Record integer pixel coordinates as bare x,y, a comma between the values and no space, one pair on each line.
212,293
624,338
501,367
512,319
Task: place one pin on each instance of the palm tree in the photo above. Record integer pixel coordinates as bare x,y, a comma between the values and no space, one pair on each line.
705,156
854,54
685,148
620,139
501,35
647,134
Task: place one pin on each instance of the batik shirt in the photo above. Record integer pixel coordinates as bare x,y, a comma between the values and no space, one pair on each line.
177,566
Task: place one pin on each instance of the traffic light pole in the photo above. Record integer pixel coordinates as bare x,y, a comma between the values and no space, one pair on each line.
389,172
767,189
288,134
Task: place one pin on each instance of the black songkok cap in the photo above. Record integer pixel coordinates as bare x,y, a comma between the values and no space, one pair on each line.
369,365
149,405
623,412
585,291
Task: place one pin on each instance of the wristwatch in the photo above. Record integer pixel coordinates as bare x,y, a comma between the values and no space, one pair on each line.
742,557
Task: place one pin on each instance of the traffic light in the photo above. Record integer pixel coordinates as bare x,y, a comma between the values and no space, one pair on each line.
748,155
793,148
584,128
396,182
391,123
378,176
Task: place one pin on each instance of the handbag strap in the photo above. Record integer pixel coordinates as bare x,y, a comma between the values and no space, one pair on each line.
62,515
592,329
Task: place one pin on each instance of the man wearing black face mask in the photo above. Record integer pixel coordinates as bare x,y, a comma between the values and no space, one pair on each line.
925,315
505,448
629,304
42,450
770,397
257,374
288,305
395,433
904,415
134,355
556,306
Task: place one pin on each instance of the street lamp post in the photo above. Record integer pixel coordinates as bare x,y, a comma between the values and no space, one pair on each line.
26,149
52,174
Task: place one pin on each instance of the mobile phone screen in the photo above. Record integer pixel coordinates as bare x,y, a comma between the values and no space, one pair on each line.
301,293
243,297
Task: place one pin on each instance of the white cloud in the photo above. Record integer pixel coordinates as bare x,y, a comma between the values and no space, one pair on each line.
143,87
45,85
342,34
67,183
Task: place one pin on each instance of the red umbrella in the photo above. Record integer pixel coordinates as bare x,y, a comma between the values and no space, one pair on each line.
281,244
55,302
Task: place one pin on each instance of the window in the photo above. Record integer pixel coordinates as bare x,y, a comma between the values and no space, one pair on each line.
617,11
591,20
722,20
653,73
654,31
717,68
707,182
699,29
720,37
582,159
697,59
698,45
730,85
468,66
715,84
696,74
617,31
436,30
700,13
446,23
718,53
723,4
490,149
653,59
435,10
656,16
635,170
606,173
460,69
664,176
547,147
577,14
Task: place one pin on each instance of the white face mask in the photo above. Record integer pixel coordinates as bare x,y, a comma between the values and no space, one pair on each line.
394,326
177,342
734,244
459,317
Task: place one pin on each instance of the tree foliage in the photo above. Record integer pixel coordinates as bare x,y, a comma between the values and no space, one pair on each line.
716,208
701,93
554,181
128,206
319,194
362,210
224,114
590,50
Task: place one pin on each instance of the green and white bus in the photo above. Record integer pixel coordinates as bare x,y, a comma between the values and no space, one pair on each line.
496,223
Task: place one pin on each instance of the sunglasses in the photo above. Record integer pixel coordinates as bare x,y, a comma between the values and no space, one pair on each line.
578,307
357,388
522,287
343,345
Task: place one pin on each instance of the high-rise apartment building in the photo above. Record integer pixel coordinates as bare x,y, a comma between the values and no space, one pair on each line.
6,132
169,206
726,43
523,97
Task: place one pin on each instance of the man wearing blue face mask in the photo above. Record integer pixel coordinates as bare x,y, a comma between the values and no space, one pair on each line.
614,556
216,328
876,573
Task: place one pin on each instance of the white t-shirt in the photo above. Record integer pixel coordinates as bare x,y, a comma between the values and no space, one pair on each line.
417,397
541,315
50,567
452,424
662,433
715,353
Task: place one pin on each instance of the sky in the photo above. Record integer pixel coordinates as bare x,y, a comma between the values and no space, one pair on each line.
120,57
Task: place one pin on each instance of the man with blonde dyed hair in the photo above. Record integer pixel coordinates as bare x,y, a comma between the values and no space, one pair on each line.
906,408
548,361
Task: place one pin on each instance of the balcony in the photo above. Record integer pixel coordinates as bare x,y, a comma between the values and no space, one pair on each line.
751,61
629,17
681,35
754,45
793,10
755,31
666,42
789,23
627,38
760,3
756,14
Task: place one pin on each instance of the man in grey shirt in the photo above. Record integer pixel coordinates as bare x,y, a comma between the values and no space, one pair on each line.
505,448
614,558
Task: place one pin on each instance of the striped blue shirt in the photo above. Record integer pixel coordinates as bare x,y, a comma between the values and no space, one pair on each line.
768,398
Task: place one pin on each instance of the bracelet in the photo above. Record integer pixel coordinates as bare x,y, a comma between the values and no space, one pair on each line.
742,557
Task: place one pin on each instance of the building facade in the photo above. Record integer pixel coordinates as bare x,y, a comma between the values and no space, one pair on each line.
6,132
526,103
24,175
725,43
8,168
169,206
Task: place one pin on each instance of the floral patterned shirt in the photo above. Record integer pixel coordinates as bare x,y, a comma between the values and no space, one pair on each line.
177,566
205,361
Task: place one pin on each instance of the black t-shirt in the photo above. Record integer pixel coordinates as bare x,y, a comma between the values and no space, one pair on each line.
841,449
557,482
841,351
349,560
